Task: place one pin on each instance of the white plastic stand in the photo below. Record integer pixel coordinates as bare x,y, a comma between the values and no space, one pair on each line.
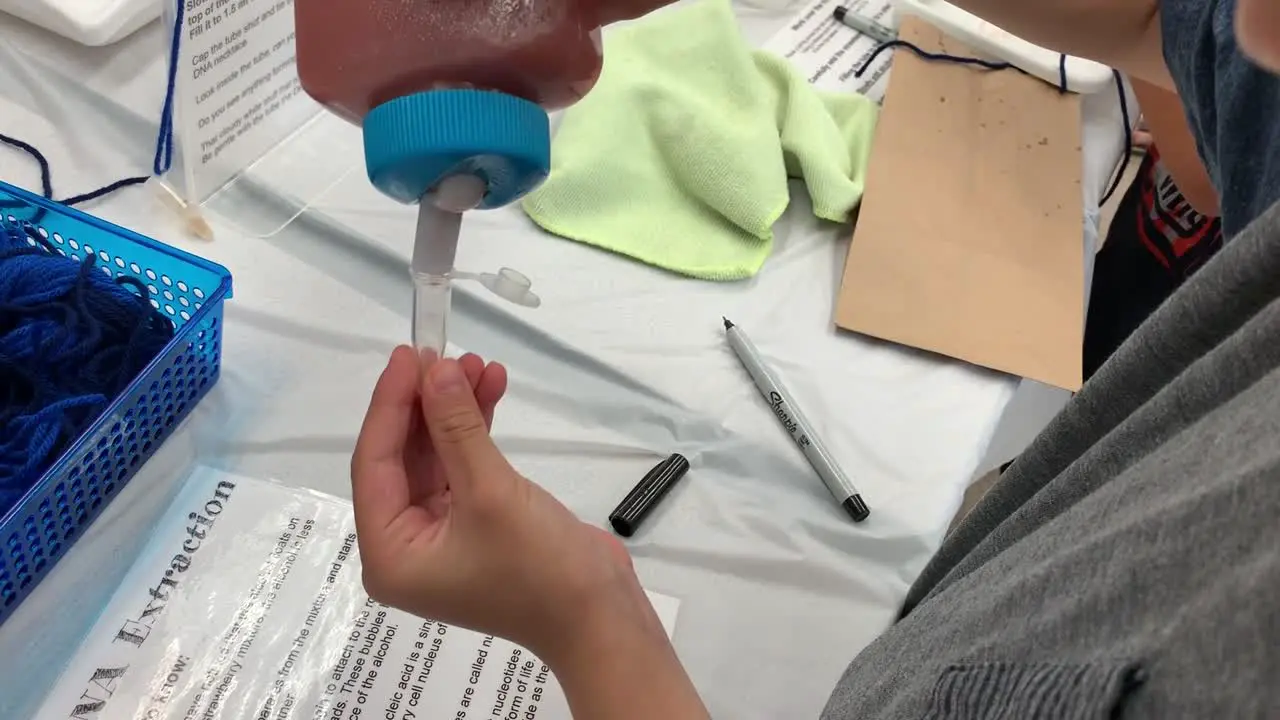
249,145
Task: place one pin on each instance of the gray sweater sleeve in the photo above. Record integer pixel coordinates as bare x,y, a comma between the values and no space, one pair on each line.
1125,565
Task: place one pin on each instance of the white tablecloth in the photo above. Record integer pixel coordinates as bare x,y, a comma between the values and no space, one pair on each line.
622,365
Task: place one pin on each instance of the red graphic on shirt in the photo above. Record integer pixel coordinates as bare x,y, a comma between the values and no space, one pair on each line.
1180,238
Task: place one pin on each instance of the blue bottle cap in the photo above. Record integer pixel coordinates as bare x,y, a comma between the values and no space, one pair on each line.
415,141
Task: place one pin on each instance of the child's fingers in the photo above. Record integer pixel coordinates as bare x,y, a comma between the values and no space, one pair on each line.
492,386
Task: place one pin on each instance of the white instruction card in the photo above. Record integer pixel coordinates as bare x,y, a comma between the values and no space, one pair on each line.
246,604
237,86
830,54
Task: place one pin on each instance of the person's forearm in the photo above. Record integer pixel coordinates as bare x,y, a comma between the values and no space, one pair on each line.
622,667
1124,34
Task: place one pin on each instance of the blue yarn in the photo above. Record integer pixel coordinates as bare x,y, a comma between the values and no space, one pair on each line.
71,340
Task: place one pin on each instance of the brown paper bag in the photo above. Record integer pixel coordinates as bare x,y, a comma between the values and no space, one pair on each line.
969,241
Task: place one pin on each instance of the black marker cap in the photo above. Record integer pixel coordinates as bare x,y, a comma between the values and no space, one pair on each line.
626,518
856,508
840,12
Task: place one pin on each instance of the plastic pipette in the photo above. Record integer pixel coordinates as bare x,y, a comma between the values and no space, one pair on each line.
435,244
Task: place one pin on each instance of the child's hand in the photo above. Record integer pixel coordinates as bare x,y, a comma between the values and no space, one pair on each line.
449,530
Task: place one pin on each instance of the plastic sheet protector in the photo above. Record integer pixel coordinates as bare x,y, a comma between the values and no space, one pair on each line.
246,603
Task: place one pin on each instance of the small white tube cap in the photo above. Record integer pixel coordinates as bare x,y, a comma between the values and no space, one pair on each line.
511,285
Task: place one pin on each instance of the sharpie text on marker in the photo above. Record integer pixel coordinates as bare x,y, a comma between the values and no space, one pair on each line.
779,408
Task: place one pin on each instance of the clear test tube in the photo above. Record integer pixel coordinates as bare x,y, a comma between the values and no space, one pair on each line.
435,245
431,301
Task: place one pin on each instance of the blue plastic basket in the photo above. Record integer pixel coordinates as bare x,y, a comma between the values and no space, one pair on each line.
42,526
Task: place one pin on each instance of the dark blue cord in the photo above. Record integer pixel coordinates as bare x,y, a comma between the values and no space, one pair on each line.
71,340
46,178
943,57
160,163
164,136
1128,138
993,65
46,182
105,190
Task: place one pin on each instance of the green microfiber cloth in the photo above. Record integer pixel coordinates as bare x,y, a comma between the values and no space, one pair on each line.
680,156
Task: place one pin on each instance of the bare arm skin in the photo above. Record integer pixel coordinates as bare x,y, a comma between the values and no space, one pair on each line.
617,664
1167,122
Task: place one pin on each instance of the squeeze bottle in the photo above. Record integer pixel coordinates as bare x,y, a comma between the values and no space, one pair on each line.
452,97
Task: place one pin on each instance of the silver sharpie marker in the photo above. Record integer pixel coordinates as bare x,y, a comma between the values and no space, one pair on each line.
794,422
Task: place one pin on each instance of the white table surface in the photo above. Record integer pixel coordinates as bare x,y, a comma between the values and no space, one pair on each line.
622,365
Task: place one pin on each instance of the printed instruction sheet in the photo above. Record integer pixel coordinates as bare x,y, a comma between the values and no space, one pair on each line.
237,87
246,604
829,53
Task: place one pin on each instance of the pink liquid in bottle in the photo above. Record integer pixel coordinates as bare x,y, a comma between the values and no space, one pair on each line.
355,55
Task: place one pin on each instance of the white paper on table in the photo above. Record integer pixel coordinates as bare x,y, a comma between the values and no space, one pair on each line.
247,604
828,52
